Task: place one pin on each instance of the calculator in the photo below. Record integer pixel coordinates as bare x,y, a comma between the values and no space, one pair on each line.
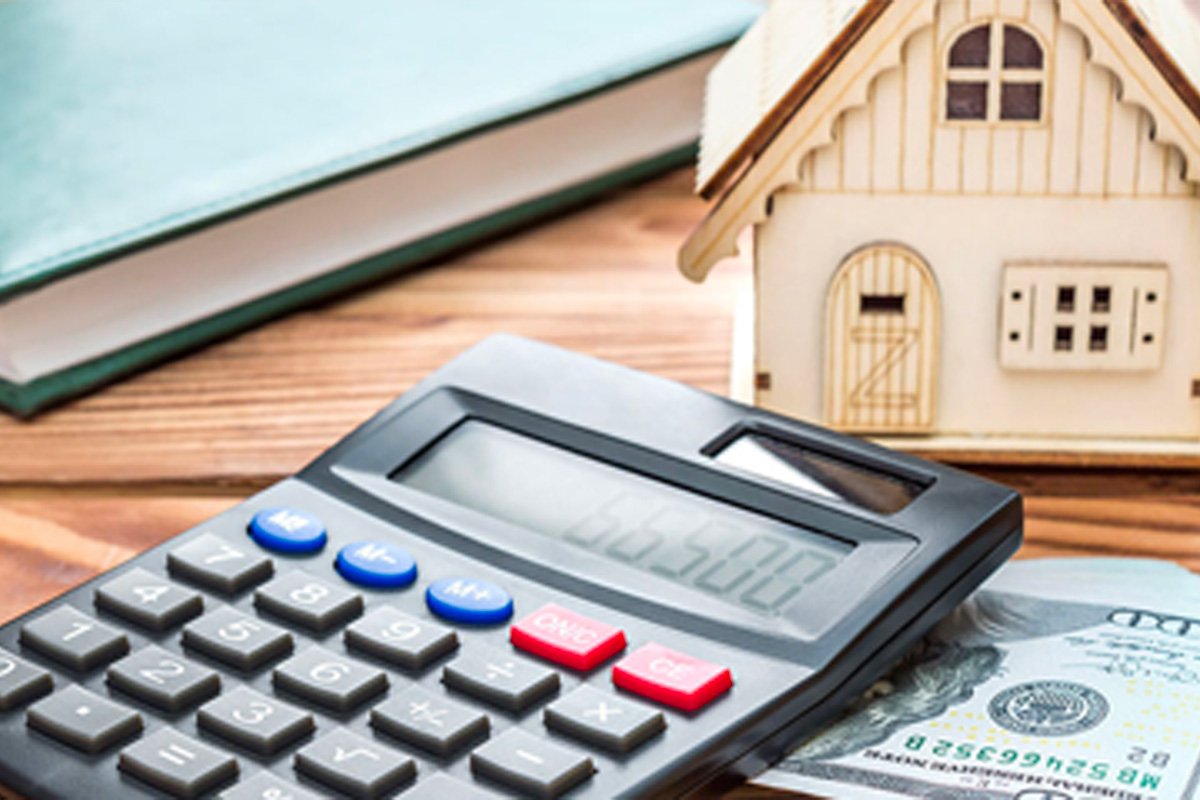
535,574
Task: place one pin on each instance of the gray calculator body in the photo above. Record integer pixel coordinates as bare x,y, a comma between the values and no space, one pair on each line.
624,504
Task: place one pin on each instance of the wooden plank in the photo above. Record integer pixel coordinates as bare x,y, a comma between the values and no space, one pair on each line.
260,405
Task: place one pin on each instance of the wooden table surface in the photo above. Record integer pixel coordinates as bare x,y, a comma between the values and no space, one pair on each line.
88,486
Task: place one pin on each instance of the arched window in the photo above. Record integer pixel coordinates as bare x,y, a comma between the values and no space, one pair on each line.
995,72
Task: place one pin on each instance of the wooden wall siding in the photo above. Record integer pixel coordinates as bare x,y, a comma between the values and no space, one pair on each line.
880,367
1090,144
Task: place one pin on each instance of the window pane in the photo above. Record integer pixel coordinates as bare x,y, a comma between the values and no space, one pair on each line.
1098,340
1021,51
1101,299
1066,299
1021,101
972,48
1064,338
966,100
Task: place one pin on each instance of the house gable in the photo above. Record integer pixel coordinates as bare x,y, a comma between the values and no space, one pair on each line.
1113,125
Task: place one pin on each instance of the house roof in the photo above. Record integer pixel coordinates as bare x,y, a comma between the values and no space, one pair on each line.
777,65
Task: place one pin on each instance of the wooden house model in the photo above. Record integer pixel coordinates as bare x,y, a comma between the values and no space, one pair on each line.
972,219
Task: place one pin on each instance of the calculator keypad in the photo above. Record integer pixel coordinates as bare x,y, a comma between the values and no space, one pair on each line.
564,637
215,564
308,602
355,765
371,636
20,681
671,678
435,724
443,787
254,721
236,639
83,720
399,639
177,764
530,764
499,678
74,639
598,718
148,600
163,679
327,679
265,786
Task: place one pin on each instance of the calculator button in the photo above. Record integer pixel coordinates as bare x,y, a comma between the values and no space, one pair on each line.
148,600
306,601
20,681
254,721
354,765
288,530
177,764
328,679
217,564
603,720
83,720
531,765
74,639
474,602
380,565
265,786
236,639
163,679
423,719
564,637
671,678
497,678
441,786
400,639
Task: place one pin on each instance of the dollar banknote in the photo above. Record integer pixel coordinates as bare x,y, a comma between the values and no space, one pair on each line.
1063,679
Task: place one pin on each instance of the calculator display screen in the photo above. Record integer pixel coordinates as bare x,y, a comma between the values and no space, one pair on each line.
747,559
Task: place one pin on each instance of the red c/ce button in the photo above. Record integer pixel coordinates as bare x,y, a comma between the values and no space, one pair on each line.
567,638
671,678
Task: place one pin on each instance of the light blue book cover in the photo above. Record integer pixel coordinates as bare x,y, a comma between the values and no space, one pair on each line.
129,122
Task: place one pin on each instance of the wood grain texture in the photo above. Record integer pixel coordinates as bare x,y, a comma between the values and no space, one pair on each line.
90,485
257,407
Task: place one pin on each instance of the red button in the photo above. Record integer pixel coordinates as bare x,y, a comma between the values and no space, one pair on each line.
567,638
671,678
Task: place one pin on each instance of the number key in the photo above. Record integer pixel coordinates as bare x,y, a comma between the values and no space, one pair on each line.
212,562
20,681
400,639
265,786
230,636
148,600
163,679
73,638
302,599
329,680
254,721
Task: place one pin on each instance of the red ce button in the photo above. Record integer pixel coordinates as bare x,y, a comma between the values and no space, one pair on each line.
564,637
671,678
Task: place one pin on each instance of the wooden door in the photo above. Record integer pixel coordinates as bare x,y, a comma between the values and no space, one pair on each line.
882,320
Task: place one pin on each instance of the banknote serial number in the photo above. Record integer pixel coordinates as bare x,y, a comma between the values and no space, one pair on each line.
1098,771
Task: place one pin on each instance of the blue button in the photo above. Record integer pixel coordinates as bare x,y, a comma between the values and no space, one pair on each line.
381,565
287,530
469,600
